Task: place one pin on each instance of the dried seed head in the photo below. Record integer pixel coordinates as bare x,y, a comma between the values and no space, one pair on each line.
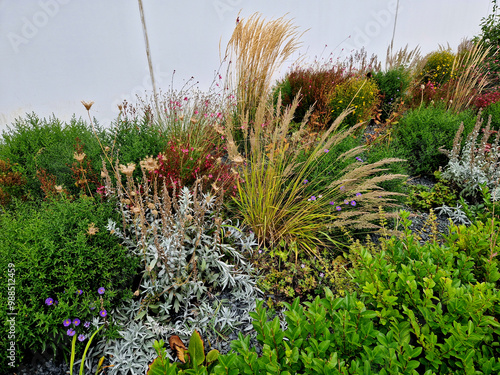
422,87
126,201
127,170
238,159
87,105
136,210
154,212
104,174
193,120
219,129
136,293
106,149
181,117
149,164
79,157
59,188
92,229
120,107
151,206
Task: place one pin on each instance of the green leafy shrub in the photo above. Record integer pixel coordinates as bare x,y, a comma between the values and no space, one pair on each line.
423,198
358,93
194,359
493,110
421,309
48,144
421,132
11,183
57,249
393,85
438,67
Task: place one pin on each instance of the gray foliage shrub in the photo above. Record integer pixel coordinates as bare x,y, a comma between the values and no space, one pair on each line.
195,272
477,163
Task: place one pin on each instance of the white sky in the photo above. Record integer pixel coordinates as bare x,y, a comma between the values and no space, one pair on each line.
55,53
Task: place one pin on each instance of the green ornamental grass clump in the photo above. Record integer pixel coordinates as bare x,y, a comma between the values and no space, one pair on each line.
57,250
361,94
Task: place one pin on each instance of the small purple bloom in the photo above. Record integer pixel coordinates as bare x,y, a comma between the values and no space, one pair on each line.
306,181
49,301
342,188
346,201
321,274
81,337
326,150
66,322
353,203
260,251
313,198
103,313
71,332
302,265
359,159
339,208
56,302
101,290
76,322
86,324
79,292
358,194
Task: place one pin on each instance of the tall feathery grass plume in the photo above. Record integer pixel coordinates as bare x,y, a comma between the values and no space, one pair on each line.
256,51
272,198
471,75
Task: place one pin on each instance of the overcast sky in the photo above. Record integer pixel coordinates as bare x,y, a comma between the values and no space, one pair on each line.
55,53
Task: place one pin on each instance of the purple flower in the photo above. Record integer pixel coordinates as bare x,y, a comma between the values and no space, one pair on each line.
86,324
66,322
92,307
101,290
302,265
321,274
306,181
79,292
49,301
326,150
71,332
358,194
339,208
56,302
76,322
346,201
313,198
359,159
103,313
342,188
353,203
81,337
332,203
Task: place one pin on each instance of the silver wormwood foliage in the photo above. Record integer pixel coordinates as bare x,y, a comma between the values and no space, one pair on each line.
196,277
477,163
456,214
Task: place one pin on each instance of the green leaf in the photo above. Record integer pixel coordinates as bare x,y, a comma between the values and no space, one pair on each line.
196,349
212,356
